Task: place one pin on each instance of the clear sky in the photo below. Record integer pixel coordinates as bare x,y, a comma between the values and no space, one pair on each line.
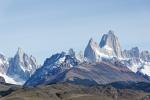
44,27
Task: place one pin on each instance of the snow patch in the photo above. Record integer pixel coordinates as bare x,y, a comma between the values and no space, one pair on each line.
134,68
10,80
146,70
1,62
108,48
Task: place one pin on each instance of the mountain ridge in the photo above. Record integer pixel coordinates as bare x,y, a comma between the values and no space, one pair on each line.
107,55
108,51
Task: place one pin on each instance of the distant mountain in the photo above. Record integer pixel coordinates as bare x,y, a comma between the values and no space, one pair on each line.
52,66
18,69
56,70
109,47
92,51
22,66
110,42
102,64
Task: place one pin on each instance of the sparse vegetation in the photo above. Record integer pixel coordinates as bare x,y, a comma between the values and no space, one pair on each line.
66,91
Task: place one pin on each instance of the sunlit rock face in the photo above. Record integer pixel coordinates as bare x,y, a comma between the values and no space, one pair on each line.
22,66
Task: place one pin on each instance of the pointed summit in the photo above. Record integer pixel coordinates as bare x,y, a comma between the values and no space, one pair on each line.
91,40
92,51
111,43
111,32
22,66
20,51
109,39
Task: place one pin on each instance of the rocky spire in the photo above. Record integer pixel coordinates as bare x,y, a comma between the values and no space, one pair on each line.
22,66
92,51
111,43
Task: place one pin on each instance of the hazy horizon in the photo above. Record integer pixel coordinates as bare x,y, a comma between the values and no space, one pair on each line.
45,27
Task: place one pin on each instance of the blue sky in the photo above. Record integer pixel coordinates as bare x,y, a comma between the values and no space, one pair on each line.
44,27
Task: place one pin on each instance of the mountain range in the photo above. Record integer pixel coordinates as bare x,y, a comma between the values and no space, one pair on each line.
102,63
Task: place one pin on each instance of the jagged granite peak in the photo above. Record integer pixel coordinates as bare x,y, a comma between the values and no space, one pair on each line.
111,43
105,39
20,51
110,48
133,53
71,52
92,51
22,66
137,61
